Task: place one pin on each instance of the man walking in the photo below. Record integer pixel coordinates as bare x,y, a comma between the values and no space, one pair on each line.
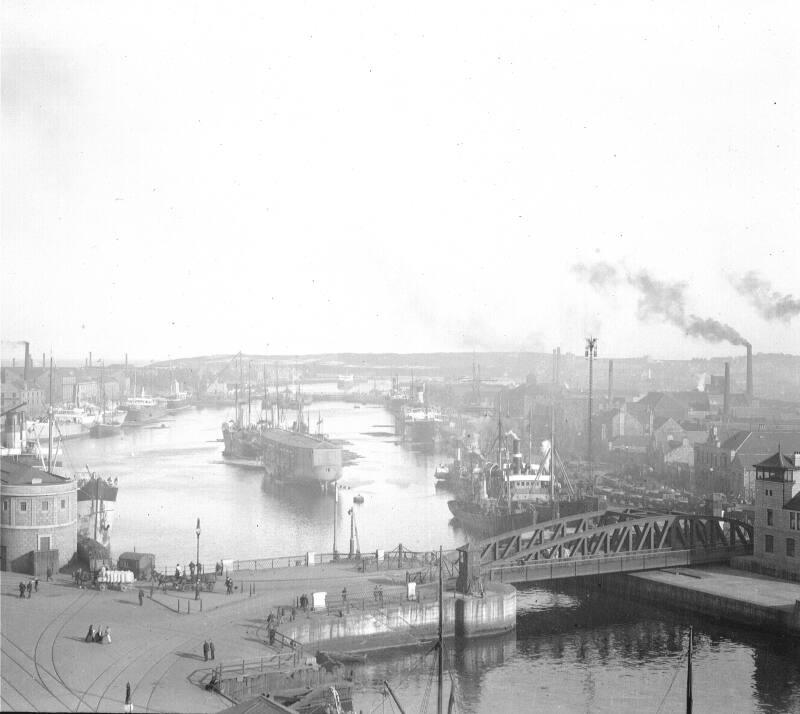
211,648
205,650
36,585
141,597
128,702
29,588
21,589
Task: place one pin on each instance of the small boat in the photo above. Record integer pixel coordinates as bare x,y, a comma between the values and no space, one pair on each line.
358,499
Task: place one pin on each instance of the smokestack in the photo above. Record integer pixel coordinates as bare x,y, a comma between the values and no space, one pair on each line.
126,360
27,360
90,359
726,395
44,364
558,365
749,391
610,382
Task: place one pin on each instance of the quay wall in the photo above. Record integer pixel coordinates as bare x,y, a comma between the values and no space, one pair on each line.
719,607
399,624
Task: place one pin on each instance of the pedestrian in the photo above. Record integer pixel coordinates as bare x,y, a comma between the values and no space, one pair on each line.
380,593
211,648
36,585
205,650
151,589
29,588
49,573
272,635
344,594
89,635
21,589
128,702
191,569
106,638
375,593
141,596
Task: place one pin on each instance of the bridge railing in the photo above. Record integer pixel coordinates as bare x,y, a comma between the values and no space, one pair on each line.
590,565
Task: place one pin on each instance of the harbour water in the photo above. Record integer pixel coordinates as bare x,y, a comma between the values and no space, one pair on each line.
170,476
570,653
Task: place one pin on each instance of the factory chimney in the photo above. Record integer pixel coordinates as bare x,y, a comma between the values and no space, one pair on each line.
749,391
610,382
27,360
558,365
126,360
44,364
90,359
726,395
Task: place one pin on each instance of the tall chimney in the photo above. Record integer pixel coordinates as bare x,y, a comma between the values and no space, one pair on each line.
27,360
126,360
558,365
726,395
749,391
44,364
610,382
90,359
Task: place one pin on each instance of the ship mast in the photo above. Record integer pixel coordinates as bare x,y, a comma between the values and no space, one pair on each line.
50,422
440,646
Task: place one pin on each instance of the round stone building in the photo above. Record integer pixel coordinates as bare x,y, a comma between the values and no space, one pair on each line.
38,519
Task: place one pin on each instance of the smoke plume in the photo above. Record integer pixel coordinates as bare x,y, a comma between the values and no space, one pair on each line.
598,275
770,304
659,299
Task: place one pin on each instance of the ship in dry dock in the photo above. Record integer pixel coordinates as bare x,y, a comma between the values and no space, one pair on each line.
292,456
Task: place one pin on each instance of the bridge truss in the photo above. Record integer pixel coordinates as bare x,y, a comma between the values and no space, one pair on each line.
614,533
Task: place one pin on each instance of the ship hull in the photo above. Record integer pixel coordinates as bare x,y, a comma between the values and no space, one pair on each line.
486,521
97,502
144,415
104,431
420,432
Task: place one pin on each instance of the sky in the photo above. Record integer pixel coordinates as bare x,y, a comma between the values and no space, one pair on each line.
300,177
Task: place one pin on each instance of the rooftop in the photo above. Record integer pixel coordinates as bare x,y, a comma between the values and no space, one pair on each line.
15,473
293,438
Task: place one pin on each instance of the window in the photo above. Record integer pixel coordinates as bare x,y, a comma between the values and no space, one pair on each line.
45,505
790,547
23,505
63,504
791,520
768,544
5,504
769,517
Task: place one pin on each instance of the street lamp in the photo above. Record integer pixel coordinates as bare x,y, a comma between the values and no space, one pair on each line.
591,354
197,582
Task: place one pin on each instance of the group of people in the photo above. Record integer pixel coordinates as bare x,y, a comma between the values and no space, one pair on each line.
208,649
101,637
25,589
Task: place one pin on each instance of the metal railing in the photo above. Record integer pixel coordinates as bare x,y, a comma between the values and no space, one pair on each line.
597,565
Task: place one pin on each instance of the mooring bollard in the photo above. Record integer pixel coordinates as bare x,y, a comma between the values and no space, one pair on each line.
179,603
188,607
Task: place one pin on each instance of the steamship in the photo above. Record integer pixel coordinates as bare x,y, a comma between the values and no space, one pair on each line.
527,495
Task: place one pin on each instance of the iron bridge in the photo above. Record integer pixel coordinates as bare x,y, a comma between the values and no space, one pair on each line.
611,541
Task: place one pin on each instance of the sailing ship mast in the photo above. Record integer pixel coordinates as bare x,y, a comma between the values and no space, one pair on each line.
50,422
440,647
689,673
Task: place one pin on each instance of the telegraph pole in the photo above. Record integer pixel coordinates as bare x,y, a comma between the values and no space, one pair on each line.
590,353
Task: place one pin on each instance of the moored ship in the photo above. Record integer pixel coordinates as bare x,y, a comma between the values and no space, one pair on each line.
97,501
144,410
290,456
528,494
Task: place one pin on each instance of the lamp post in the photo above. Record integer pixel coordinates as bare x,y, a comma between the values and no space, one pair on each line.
197,581
591,354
